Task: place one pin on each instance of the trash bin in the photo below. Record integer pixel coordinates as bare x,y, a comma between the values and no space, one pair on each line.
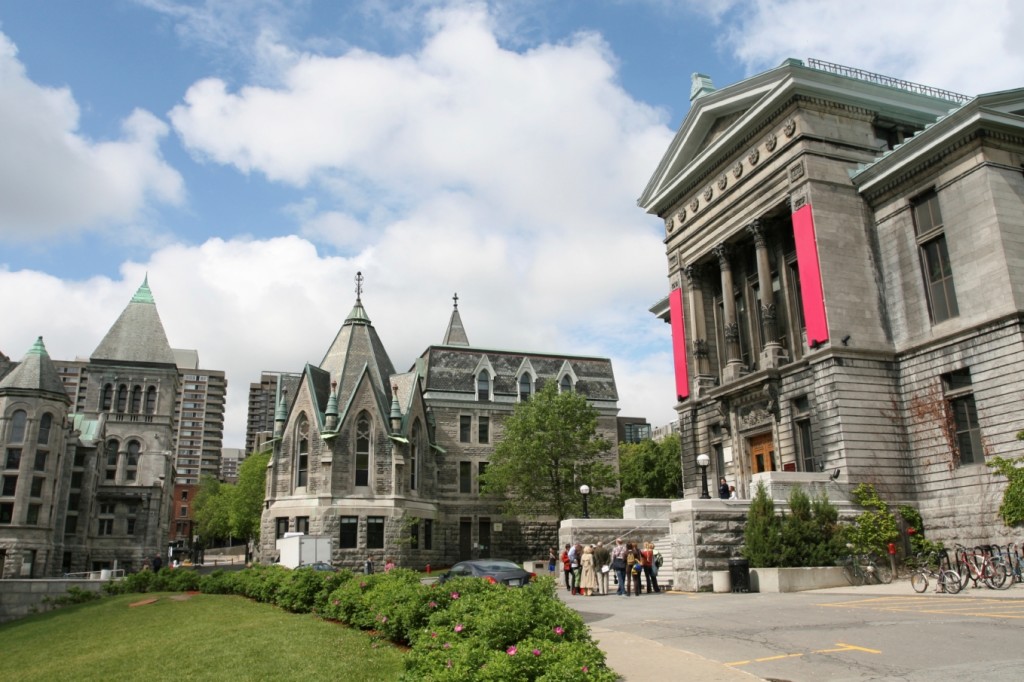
739,575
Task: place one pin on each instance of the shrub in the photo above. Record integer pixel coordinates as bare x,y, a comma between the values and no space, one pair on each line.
874,529
762,536
1011,509
919,544
74,595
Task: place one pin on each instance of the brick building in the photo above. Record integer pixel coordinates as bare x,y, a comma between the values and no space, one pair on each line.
846,264
388,463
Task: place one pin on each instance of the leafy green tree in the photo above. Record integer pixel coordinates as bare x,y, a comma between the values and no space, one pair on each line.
550,447
650,469
211,509
246,501
762,536
874,529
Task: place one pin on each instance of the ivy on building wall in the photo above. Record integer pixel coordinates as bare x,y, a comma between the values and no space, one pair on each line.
1011,510
874,529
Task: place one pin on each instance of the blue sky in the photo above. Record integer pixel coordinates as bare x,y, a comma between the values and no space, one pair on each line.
252,156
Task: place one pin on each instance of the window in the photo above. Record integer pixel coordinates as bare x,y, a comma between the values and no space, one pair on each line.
280,526
122,398
184,512
414,452
483,386
960,399
718,455
76,480
132,460
13,458
414,536
565,385
938,275
483,429
805,455
108,397
481,468
151,400
110,473
129,527
6,512
32,517
106,527
635,433
363,450
465,428
302,453
136,399
184,495
10,486
43,438
349,532
17,432
40,464
37,486
428,534
525,387
71,524
465,477
375,532
302,524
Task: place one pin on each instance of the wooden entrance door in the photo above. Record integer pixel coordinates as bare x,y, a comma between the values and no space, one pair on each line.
762,453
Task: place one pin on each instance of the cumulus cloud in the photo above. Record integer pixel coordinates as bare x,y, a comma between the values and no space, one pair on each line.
53,179
941,44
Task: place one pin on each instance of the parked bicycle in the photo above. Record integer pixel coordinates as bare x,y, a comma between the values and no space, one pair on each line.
930,567
977,565
866,568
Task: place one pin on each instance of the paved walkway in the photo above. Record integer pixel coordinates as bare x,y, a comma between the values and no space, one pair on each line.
617,626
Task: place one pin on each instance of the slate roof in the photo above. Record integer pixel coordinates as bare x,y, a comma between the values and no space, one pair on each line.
36,373
138,335
452,369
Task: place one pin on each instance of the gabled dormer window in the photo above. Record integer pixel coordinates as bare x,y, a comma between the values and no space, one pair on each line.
483,385
525,387
565,384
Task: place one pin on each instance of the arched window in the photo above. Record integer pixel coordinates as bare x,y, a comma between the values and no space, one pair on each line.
525,387
110,467
302,453
45,422
483,385
132,460
18,421
363,450
136,399
122,398
151,400
414,454
108,397
565,385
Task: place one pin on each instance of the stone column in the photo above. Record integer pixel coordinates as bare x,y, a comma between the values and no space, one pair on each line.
734,364
695,294
772,354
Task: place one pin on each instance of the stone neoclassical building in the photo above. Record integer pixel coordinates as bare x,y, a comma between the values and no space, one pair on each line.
388,464
846,274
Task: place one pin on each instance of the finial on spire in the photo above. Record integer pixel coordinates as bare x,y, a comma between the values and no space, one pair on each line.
456,299
359,287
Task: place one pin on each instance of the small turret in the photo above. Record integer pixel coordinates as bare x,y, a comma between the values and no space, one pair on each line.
396,410
331,415
281,415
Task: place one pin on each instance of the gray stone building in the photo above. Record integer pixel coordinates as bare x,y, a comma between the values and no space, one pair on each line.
846,273
388,464
87,483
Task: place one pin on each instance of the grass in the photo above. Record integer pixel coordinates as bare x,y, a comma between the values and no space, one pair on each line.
203,637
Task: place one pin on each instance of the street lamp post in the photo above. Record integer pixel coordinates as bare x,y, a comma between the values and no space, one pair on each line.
585,492
703,461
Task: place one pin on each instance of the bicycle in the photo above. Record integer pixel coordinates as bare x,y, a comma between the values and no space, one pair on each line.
977,565
866,568
947,580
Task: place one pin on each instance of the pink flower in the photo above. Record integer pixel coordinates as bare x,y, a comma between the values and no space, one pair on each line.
559,631
455,595
335,602
585,669
447,645
511,651
458,627
536,652
384,619
448,664
433,604
433,635
362,584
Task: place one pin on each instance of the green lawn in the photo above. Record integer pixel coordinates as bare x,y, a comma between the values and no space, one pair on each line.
203,637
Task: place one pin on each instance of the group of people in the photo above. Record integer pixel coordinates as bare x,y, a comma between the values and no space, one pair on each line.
586,568
726,491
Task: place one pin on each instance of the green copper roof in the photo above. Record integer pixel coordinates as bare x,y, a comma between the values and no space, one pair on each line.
144,295
37,348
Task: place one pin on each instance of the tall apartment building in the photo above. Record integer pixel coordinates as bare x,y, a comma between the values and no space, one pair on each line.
259,426
230,460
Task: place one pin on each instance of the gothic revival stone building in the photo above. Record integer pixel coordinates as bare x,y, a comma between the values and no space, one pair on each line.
88,487
846,266
387,464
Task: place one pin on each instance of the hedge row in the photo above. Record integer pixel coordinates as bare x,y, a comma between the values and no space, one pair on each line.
467,629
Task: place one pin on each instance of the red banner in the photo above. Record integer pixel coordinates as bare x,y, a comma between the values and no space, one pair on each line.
675,308
810,276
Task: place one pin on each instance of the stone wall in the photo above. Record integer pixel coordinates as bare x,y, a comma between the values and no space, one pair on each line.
20,598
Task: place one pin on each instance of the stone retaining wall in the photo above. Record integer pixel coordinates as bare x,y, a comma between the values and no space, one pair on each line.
19,598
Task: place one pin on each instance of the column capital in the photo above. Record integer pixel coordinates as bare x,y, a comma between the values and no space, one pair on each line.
722,253
756,230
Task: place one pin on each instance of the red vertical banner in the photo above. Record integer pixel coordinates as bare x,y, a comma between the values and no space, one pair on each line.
810,275
675,309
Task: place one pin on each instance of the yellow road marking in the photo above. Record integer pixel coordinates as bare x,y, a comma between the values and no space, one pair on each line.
842,647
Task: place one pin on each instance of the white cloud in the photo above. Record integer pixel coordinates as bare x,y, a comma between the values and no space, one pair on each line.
968,47
53,179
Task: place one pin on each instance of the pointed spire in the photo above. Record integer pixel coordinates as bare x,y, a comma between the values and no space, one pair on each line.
138,334
331,415
281,415
396,410
456,333
358,314
144,295
36,373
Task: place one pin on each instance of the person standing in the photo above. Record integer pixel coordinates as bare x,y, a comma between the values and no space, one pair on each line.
588,575
647,561
633,568
368,565
602,561
723,488
567,567
732,493
552,560
577,566
619,566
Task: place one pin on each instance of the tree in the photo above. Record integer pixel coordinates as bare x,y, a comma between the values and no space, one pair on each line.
246,507
550,447
650,469
762,537
210,509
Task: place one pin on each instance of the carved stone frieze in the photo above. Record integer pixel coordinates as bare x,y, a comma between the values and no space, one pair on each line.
796,171
681,216
722,181
669,223
694,205
753,156
789,128
737,170
771,142
709,192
